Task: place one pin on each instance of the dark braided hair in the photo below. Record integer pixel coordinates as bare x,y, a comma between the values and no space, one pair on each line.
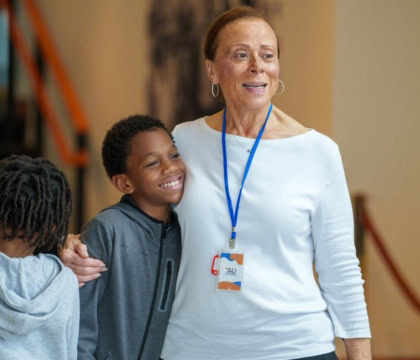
116,146
35,201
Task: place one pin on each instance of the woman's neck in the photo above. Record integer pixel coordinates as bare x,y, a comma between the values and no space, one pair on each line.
246,123
249,124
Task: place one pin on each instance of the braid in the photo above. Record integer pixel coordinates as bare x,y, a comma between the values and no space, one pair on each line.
35,201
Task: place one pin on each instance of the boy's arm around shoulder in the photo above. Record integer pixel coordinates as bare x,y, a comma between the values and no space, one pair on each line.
97,235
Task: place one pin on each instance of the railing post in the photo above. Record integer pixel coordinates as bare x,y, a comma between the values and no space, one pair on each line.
359,230
11,75
39,118
80,183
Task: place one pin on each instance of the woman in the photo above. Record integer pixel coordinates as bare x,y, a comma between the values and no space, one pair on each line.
293,210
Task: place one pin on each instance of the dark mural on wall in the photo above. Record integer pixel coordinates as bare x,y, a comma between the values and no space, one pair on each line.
179,87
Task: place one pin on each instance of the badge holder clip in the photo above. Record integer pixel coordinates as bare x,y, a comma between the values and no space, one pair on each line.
228,268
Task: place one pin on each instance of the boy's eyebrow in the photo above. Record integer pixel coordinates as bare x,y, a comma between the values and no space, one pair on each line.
153,153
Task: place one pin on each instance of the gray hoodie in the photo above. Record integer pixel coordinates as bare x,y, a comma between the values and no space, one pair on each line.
125,313
39,309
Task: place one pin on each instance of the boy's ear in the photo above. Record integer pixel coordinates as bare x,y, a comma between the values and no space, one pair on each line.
123,183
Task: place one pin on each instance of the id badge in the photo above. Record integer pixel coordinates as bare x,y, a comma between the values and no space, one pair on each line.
228,267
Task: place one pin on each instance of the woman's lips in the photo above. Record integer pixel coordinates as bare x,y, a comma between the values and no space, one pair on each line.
255,86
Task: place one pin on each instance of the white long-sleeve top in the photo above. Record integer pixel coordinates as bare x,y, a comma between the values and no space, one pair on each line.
295,212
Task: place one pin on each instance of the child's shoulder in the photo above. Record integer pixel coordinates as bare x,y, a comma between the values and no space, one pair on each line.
53,267
114,215
120,219
65,281
119,215
29,277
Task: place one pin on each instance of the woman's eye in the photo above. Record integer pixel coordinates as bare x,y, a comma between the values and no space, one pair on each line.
268,56
241,55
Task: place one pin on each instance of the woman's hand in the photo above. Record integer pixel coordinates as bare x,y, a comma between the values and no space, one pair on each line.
74,255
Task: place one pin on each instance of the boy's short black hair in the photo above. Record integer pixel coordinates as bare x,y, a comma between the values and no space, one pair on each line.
35,201
117,143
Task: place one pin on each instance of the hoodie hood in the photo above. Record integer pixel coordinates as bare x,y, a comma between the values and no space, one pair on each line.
128,207
30,289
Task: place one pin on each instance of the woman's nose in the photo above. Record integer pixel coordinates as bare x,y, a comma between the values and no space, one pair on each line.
256,65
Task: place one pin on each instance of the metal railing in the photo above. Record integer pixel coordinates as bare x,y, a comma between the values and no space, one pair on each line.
364,225
79,158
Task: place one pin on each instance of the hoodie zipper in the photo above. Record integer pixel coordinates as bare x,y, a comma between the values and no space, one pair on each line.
152,306
168,282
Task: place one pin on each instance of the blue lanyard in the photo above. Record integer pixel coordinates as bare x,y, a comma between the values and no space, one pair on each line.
234,215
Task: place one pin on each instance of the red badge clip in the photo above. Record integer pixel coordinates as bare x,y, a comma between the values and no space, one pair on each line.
213,270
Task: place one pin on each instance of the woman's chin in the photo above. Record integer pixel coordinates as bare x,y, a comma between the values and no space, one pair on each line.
256,102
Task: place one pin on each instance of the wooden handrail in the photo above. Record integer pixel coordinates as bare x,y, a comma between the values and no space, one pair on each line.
77,159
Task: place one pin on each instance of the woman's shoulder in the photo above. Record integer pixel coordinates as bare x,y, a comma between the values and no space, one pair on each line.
215,121
286,126
193,130
187,126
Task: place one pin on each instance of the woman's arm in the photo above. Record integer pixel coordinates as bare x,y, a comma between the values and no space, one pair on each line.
74,255
338,268
358,349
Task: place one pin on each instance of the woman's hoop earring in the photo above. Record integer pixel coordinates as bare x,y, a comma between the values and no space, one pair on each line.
282,87
214,92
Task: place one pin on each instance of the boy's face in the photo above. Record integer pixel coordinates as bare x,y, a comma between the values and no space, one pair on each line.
155,170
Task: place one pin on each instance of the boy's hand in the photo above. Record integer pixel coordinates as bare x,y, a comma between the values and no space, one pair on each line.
74,255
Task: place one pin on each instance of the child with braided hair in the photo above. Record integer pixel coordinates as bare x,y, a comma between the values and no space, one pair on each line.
39,297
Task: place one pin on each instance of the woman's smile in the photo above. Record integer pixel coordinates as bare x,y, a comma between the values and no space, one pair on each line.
255,87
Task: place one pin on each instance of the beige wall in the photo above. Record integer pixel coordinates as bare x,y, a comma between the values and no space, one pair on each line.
305,30
377,124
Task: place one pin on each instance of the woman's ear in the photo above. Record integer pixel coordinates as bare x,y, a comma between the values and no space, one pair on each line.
210,71
122,183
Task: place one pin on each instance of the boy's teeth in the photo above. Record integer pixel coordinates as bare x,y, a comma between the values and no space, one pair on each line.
170,184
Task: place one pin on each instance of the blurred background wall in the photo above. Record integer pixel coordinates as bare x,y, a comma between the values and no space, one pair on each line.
376,121
350,69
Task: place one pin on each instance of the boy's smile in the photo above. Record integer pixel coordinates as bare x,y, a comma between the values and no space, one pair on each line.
173,184
155,172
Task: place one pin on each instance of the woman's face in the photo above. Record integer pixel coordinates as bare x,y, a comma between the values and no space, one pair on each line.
246,65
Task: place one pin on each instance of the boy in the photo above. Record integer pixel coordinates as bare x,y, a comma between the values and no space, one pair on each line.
39,296
125,313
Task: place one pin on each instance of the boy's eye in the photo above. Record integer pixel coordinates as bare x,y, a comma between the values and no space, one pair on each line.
174,156
152,163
